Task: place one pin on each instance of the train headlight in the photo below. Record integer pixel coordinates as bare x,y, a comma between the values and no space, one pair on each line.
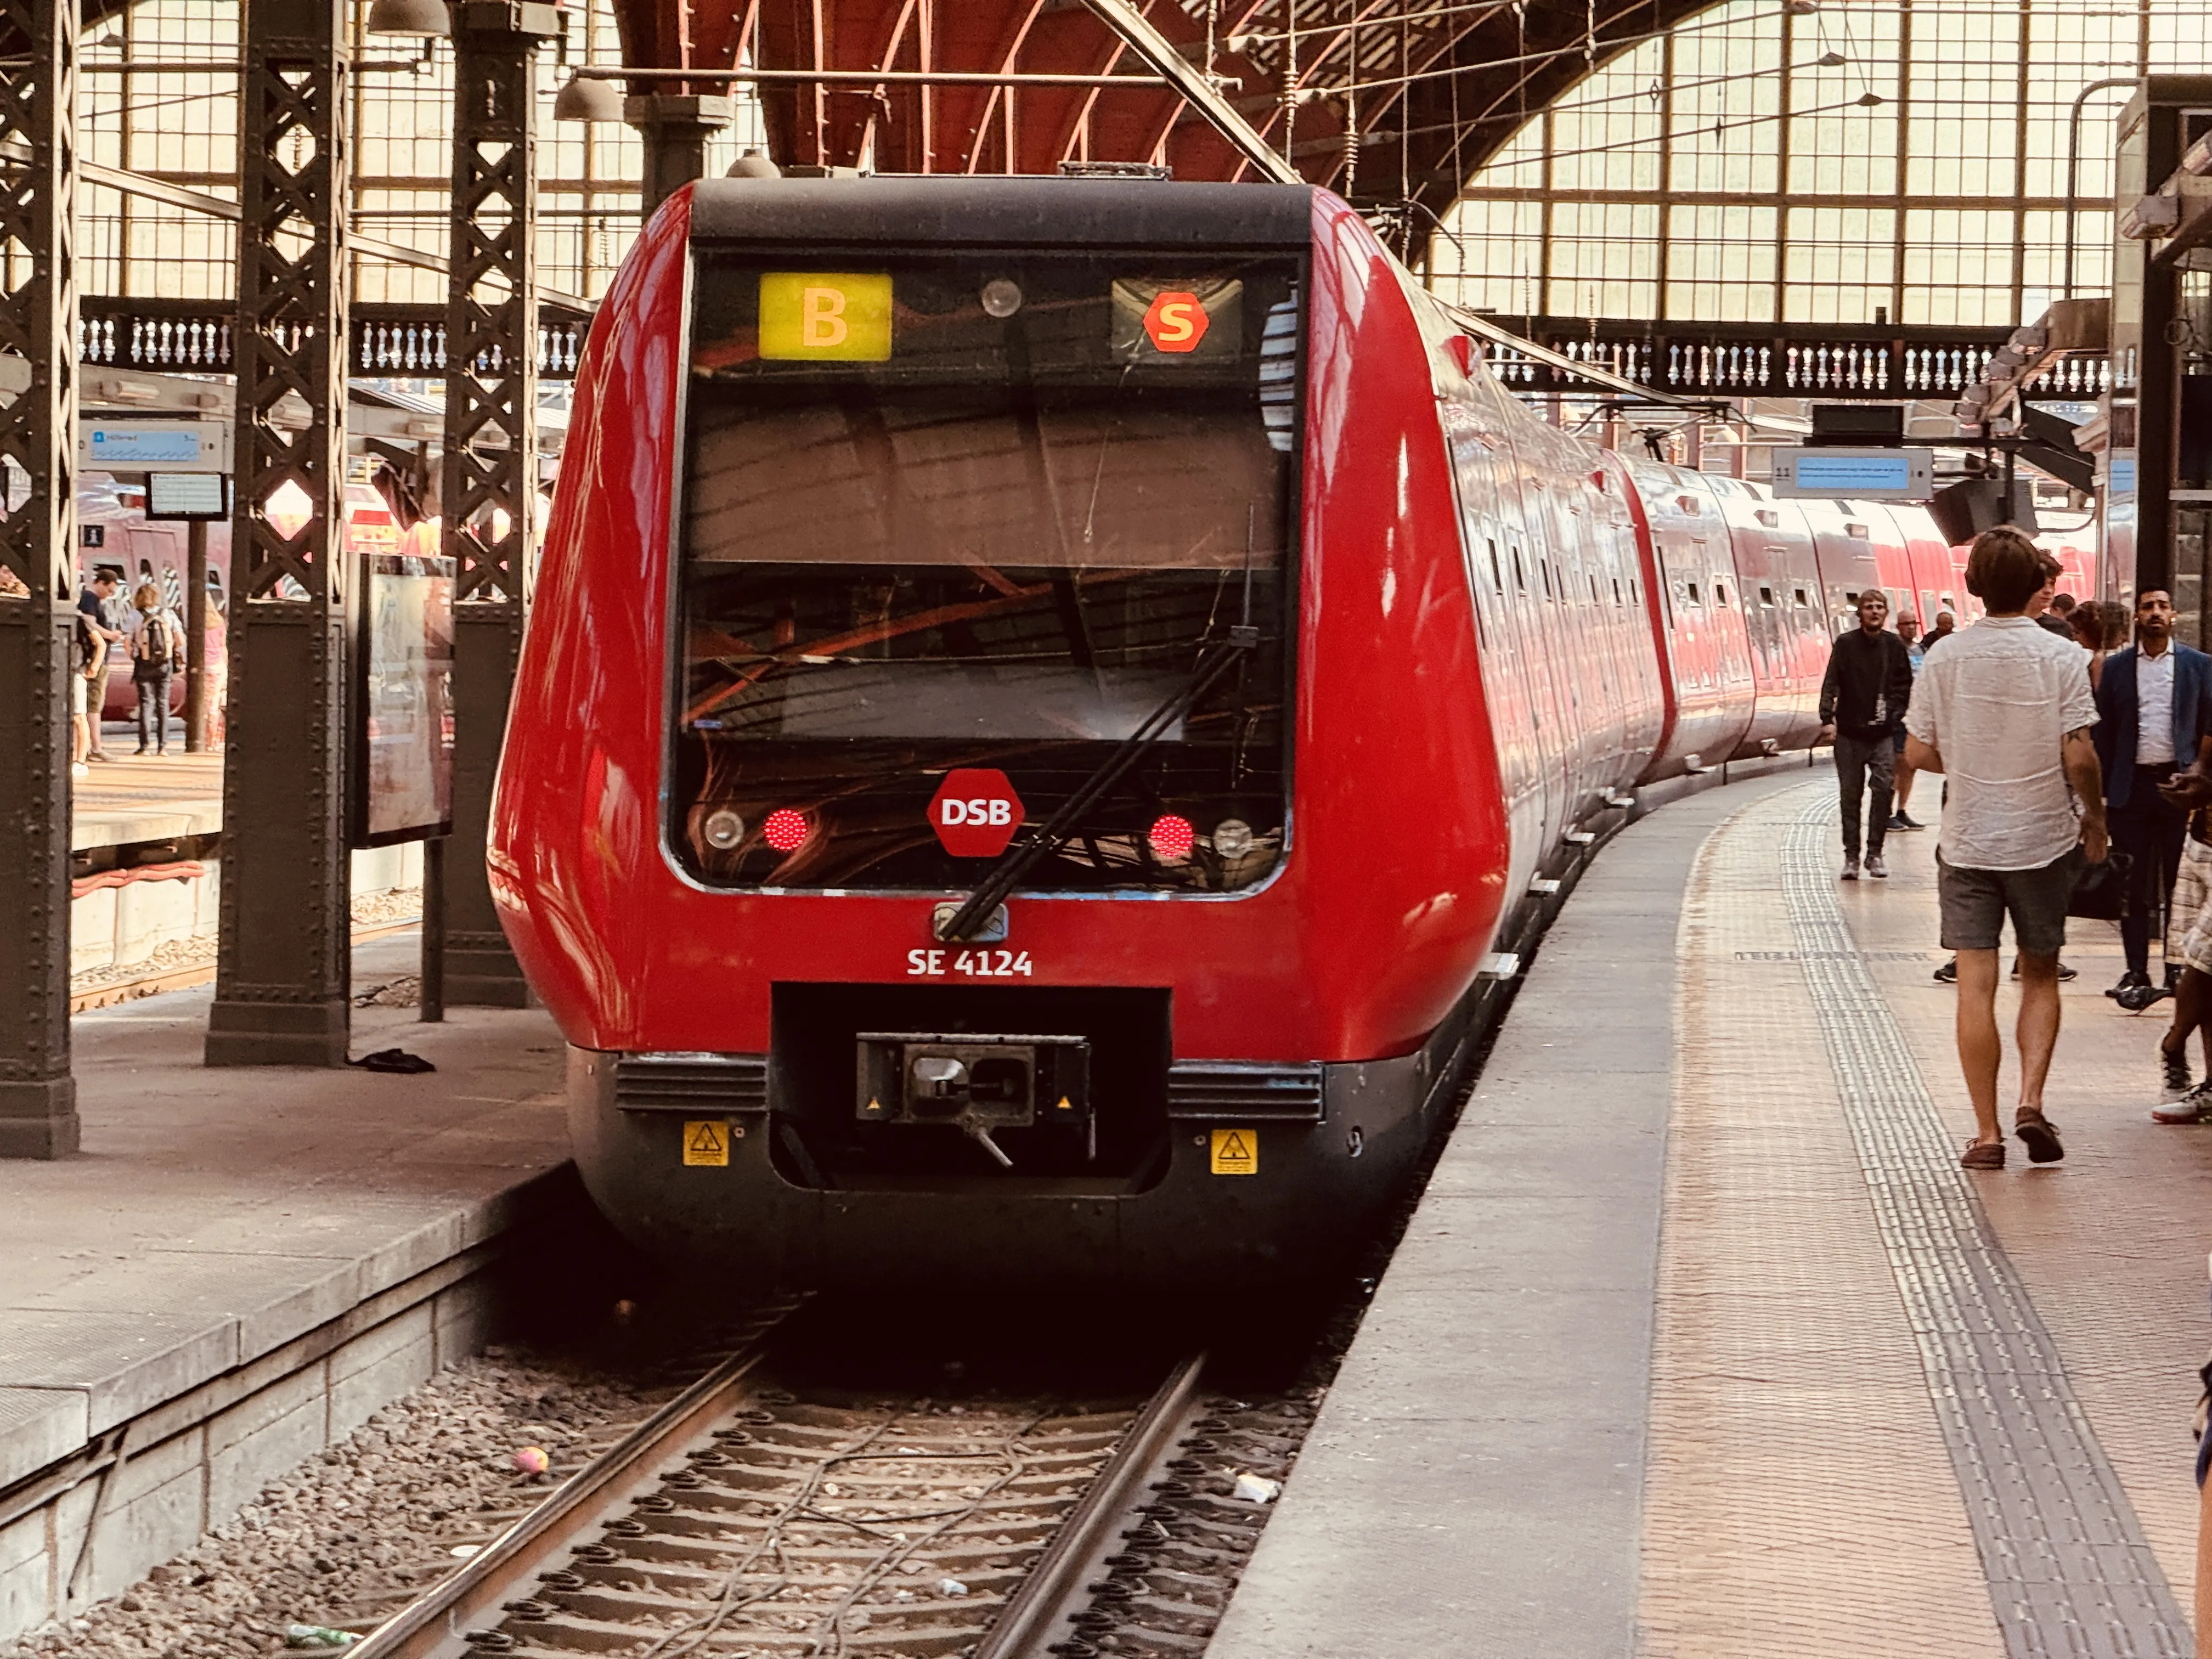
785,830
724,829
1233,838
1001,298
1171,837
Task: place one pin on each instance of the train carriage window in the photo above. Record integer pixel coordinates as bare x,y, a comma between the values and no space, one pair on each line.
1692,590
1497,578
1005,540
1520,577
1616,590
1720,592
1766,596
1801,599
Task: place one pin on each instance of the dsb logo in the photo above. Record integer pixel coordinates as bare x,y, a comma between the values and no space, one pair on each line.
979,810
976,812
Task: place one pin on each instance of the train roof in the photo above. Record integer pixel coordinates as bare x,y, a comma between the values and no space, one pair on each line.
926,211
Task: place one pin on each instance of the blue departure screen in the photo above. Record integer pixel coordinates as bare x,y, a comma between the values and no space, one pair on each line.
1876,472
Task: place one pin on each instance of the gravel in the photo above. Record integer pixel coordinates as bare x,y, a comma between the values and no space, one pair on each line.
365,1525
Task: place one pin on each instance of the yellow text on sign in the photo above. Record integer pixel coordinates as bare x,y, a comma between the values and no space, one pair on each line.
825,316
1235,1151
706,1143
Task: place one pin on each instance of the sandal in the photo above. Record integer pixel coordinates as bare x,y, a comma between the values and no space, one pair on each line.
2038,1136
1983,1155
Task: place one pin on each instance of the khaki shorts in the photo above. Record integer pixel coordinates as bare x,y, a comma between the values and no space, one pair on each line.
2189,917
1975,904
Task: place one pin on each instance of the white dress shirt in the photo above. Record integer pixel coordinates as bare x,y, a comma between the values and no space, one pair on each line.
1998,699
2154,707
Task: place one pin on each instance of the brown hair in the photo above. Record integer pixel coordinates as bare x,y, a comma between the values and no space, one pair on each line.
2004,569
2088,626
148,598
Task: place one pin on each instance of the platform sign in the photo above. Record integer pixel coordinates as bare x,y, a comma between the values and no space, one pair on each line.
142,446
1855,474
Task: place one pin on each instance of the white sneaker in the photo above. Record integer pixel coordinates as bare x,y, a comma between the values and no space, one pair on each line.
1876,868
1851,869
79,769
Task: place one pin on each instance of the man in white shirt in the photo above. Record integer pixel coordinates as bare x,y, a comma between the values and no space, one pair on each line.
2003,710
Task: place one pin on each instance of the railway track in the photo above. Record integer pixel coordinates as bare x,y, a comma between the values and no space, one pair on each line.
741,1519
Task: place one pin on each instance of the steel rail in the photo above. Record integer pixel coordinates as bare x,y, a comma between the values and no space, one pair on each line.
436,1625
1058,1587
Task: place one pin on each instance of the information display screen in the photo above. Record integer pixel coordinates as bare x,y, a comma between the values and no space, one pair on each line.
403,731
1880,475
187,495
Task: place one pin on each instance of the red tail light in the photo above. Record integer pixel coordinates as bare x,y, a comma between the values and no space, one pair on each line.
785,830
1171,838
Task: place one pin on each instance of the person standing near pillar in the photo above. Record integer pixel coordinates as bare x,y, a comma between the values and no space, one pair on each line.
102,606
1862,702
2155,720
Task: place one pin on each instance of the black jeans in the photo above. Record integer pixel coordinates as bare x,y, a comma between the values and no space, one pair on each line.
2149,831
153,707
1859,761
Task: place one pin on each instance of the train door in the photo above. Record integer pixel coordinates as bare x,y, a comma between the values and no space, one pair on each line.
1845,560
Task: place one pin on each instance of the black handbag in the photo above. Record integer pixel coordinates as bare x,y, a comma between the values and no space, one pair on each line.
2101,892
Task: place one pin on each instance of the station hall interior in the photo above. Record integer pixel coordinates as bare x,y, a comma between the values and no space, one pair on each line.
749,752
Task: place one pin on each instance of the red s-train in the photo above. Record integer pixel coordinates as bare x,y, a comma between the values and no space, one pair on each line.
1165,539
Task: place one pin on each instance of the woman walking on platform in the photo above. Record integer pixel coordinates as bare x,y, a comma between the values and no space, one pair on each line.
156,652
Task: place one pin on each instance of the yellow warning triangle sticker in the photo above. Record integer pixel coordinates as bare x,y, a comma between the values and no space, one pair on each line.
709,1138
1233,1149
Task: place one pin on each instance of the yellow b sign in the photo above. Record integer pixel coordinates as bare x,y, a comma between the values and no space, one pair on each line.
825,315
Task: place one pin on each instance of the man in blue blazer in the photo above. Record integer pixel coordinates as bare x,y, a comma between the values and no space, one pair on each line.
2153,720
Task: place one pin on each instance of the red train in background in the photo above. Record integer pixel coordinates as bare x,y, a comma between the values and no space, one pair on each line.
1049,701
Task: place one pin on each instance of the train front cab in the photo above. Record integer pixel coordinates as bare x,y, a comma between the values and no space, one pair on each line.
1212,1034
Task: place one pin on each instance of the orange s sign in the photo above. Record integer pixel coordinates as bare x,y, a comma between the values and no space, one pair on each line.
1175,321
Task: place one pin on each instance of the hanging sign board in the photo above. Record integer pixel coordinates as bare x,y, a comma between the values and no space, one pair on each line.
187,495
1855,474
153,446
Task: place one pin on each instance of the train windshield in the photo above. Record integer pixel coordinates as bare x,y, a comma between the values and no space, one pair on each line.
990,514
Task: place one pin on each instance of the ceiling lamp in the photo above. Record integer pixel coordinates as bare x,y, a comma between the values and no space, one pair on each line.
585,99
1832,60
754,164
1801,7
1869,100
422,17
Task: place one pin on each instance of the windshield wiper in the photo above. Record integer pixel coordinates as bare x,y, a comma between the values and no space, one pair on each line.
1060,828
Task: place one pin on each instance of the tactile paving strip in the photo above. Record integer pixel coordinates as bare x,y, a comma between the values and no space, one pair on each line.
2069,1573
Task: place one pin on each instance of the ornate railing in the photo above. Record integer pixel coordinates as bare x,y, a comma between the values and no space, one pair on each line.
191,336
1745,360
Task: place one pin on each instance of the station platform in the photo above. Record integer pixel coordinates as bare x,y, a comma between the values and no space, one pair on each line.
244,1264
146,875
1702,1344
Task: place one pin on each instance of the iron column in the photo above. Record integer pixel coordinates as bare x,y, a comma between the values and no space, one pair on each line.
490,485
282,968
38,538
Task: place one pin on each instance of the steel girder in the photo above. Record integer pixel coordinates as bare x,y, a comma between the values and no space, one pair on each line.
38,538
1386,100
283,969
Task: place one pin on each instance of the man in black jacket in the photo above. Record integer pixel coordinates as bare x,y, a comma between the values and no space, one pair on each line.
1862,702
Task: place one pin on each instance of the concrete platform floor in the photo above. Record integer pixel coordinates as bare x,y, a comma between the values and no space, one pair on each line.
135,797
242,1264
1702,1347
